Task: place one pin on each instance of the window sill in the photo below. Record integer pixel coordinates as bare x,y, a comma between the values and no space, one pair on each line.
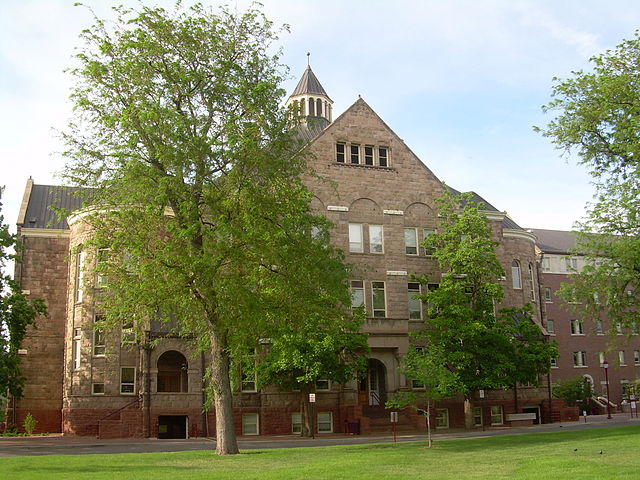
580,366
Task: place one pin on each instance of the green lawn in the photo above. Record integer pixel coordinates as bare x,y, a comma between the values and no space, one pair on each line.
532,456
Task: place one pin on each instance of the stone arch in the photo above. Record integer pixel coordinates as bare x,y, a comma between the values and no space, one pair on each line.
419,213
365,210
172,373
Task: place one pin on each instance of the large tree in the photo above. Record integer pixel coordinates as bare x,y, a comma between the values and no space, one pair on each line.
596,116
482,348
198,213
17,314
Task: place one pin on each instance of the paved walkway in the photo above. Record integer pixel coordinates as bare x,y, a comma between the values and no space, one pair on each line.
58,444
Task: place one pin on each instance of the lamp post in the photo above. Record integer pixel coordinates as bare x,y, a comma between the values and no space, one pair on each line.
605,365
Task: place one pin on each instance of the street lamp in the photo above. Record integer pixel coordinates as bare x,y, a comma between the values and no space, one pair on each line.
605,365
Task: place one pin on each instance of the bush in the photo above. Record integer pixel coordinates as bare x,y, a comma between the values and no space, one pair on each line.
29,424
574,391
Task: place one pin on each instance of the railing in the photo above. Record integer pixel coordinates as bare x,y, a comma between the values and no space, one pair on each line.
136,401
602,401
374,399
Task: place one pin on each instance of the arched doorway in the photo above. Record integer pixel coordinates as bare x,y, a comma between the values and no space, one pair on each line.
172,372
373,387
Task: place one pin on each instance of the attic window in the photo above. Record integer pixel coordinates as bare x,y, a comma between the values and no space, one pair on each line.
365,155
340,152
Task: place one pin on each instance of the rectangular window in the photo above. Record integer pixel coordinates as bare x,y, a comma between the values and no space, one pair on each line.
600,358
579,359
355,238
634,328
127,380
97,389
477,416
621,359
101,260
547,294
357,293
577,327
496,415
554,363
410,241
355,154
417,384
636,357
296,422
571,264
551,327
378,300
77,338
250,424
383,156
599,327
323,384
618,329
546,264
426,232
80,257
325,422
368,155
442,418
415,304
98,342
128,334
340,152
376,239
626,387
248,382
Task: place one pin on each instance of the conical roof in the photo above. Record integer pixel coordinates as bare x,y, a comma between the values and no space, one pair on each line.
309,84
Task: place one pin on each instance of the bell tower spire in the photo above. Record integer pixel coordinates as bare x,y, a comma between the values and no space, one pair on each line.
309,98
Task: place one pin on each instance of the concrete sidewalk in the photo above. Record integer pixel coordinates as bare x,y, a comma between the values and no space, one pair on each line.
58,444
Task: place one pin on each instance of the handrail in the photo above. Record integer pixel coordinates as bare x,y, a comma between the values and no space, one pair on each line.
137,400
373,397
605,400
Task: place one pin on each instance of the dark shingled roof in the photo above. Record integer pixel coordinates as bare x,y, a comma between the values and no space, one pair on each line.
506,222
43,201
309,84
555,241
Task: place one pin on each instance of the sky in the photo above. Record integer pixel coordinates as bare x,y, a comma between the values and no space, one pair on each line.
461,82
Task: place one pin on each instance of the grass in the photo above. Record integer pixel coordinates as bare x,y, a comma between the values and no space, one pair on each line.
561,455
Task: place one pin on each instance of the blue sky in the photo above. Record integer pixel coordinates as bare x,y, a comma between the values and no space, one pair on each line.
461,82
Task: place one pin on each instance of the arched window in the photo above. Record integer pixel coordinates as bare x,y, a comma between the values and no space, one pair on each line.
311,107
516,279
533,283
319,107
172,372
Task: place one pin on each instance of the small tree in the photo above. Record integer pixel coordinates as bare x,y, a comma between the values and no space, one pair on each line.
574,391
482,348
17,314
296,360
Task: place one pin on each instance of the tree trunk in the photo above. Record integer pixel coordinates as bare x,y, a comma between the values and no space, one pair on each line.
226,443
468,412
429,442
306,413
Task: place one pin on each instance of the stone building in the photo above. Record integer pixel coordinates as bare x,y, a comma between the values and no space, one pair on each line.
380,198
583,344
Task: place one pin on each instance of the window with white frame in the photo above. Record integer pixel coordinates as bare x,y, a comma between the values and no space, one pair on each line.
547,294
618,329
378,299
128,333
77,347
533,283
127,380
599,327
368,155
98,342
496,415
516,278
248,382
80,259
376,244
250,424
636,357
477,417
356,243
546,264
554,363
296,422
325,422
626,387
571,264
634,328
341,152
354,154
621,358
101,259
600,358
426,233
580,359
383,156
577,327
415,304
357,293
442,418
322,384
97,388
551,326
411,241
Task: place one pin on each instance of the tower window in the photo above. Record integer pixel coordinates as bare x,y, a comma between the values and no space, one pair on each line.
311,107
319,107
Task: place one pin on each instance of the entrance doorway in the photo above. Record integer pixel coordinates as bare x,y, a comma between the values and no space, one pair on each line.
173,426
373,387
535,410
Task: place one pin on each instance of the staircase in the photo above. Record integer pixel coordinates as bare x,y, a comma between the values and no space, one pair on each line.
123,422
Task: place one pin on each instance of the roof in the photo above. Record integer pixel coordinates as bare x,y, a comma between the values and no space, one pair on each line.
507,222
44,200
309,84
555,241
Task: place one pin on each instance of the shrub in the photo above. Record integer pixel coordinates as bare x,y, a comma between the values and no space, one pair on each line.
574,391
29,424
